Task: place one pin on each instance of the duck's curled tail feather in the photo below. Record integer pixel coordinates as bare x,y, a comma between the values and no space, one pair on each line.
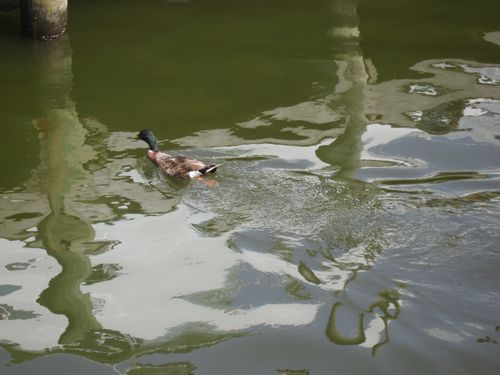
203,171
208,169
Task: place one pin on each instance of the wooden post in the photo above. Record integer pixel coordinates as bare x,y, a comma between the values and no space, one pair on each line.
44,19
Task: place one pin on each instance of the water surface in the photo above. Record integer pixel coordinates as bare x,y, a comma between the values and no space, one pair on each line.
353,226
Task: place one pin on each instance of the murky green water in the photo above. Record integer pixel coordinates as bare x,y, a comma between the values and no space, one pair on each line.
354,227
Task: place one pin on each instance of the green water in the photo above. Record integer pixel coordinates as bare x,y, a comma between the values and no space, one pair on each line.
352,228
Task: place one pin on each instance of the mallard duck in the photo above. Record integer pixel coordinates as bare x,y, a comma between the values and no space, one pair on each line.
177,166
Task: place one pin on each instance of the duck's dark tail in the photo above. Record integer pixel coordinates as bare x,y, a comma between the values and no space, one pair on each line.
208,169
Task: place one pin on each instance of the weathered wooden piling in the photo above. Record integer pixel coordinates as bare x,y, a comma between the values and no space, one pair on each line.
44,19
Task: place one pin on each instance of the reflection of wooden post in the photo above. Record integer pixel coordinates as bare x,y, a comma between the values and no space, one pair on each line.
62,155
44,19
350,92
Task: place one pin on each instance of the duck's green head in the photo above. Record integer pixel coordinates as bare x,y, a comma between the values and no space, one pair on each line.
147,136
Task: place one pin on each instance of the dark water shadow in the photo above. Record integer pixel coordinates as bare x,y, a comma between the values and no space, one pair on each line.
10,24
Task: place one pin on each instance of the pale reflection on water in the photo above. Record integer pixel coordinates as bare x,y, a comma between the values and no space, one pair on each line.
149,298
40,329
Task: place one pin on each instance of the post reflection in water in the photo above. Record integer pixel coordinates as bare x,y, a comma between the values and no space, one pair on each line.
349,97
64,235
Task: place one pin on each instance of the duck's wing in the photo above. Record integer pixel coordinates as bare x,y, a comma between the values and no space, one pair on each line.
180,166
